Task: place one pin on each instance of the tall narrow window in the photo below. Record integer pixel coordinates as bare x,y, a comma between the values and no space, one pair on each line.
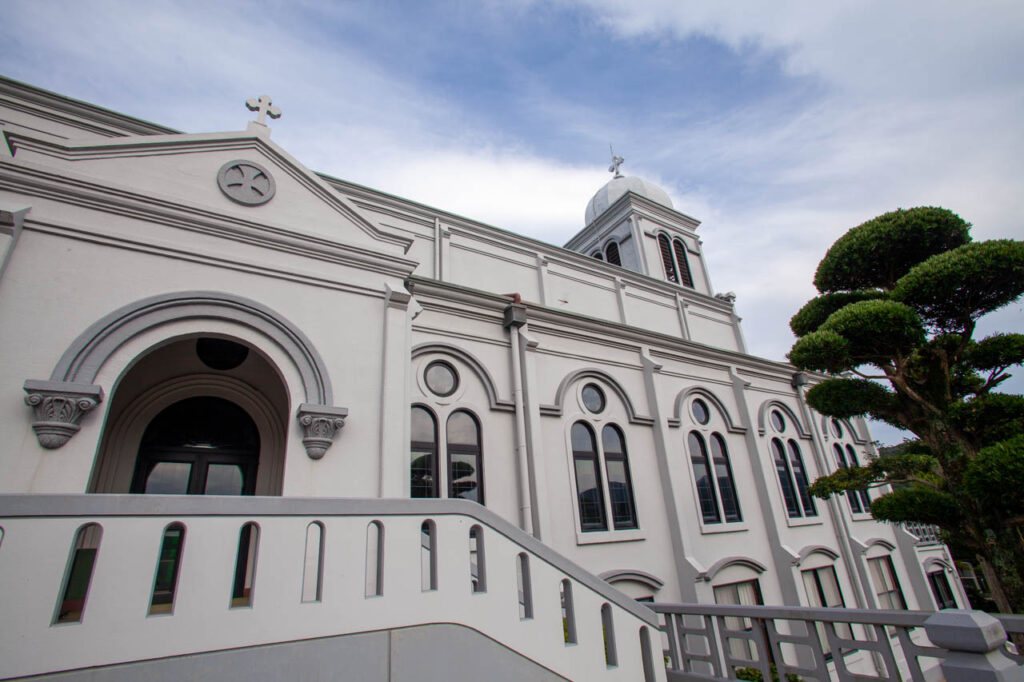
465,464
78,575
665,248
167,566
524,586
822,587
851,495
423,465
941,590
568,612
723,476
800,475
428,556
620,488
598,255
374,581
588,478
611,656
313,567
646,655
477,559
887,587
865,499
682,265
611,254
785,478
245,565
702,476
747,593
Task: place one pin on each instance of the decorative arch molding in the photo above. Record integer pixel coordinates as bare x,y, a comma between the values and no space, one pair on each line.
855,436
677,412
61,402
599,374
933,563
762,416
871,543
478,368
810,550
726,562
637,576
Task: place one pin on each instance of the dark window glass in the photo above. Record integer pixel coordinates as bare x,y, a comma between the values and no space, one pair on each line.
423,454
699,409
785,478
941,590
441,378
79,574
854,500
665,247
598,255
685,278
837,428
465,474
702,476
167,569
611,253
822,587
800,475
865,499
723,475
620,488
588,478
778,423
593,398
887,586
201,445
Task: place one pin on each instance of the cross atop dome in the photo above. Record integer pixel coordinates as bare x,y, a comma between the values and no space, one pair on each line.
616,162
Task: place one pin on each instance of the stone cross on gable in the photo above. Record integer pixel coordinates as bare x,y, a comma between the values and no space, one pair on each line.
264,106
616,162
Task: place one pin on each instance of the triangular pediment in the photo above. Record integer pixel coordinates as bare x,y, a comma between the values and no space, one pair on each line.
184,170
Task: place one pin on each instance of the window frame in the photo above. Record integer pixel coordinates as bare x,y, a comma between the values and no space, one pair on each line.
609,530
674,260
476,451
883,567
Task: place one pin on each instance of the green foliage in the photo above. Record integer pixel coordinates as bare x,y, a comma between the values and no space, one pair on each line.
918,503
996,477
754,675
894,468
953,289
989,418
845,398
997,351
880,251
876,330
817,310
821,350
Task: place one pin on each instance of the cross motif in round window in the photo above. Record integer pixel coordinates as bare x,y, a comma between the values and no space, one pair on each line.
246,183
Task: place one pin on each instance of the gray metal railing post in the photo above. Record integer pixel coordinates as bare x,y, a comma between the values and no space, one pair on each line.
975,641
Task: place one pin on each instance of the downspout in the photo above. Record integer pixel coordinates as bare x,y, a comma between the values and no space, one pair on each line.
515,317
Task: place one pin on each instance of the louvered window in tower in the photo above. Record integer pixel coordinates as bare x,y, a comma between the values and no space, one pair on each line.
611,254
684,267
666,258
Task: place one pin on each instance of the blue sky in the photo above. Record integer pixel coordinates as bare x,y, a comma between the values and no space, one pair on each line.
778,125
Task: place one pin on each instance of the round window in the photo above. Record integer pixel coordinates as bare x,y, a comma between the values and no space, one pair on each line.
837,428
593,398
778,423
441,378
700,411
221,354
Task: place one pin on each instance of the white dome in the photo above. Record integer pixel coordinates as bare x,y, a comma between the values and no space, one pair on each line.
619,185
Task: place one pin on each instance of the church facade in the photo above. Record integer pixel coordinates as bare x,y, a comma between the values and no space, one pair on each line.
200,314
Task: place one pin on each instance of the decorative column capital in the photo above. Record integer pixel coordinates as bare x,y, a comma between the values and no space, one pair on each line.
320,423
59,407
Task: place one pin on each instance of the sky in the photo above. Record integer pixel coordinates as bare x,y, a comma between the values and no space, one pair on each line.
778,125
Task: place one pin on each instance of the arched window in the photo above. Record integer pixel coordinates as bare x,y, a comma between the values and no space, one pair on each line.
855,501
568,612
428,556
167,566
465,465
611,656
620,487
423,464
589,487
75,591
245,565
374,578
865,499
611,253
524,586
598,255
313,566
682,265
713,476
793,479
477,559
665,248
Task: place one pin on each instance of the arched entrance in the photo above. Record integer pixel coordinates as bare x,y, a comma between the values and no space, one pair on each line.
198,446
185,420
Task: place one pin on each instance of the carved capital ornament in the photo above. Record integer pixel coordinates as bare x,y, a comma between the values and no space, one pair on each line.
59,407
320,424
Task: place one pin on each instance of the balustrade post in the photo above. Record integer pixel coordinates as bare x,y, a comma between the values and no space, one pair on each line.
975,642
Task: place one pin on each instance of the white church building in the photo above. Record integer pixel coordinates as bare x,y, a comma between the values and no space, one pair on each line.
263,423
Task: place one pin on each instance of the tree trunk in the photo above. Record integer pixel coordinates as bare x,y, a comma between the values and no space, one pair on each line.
995,584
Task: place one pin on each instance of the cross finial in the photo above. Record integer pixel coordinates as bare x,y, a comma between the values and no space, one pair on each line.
264,106
616,162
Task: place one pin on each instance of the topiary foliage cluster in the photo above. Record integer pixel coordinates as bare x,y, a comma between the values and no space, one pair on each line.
894,324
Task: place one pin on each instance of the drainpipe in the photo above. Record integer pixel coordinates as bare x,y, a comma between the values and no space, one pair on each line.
515,317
